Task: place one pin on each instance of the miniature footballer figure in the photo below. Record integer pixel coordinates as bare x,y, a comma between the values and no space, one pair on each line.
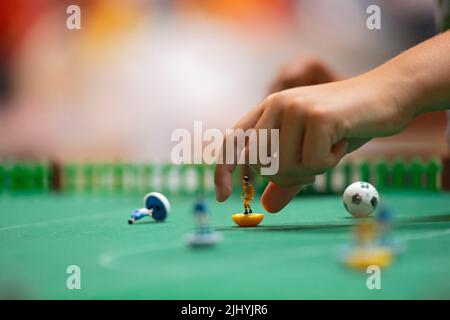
248,192
204,235
201,216
248,218
157,206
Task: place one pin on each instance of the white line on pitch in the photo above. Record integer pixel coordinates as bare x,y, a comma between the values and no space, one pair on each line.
44,223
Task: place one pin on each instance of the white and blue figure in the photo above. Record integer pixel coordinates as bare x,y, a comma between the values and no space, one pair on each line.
156,206
385,239
204,234
202,217
384,219
138,214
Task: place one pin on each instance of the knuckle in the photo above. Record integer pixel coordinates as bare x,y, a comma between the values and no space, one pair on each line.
293,108
275,101
343,127
297,107
316,115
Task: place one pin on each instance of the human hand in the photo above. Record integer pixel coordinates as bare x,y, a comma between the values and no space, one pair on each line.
318,126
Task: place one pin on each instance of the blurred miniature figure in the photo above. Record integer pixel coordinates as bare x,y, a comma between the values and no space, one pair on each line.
365,233
204,235
384,220
201,216
138,214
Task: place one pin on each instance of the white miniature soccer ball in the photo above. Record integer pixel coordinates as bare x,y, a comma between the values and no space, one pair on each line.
360,199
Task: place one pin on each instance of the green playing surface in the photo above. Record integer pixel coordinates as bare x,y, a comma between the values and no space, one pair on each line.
292,255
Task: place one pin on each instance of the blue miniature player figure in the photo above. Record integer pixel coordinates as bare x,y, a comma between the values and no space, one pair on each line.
201,215
384,219
384,222
204,235
139,214
157,206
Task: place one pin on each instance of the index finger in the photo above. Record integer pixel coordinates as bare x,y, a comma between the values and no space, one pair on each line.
223,173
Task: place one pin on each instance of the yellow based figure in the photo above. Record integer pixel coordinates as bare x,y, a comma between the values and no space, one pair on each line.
366,232
248,193
367,252
248,218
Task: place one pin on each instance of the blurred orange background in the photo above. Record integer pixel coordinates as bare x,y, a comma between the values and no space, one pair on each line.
137,70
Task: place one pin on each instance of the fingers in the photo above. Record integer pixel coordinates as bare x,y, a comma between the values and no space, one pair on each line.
223,182
224,170
303,71
276,198
323,147
316,147
291,139
270,119
339,150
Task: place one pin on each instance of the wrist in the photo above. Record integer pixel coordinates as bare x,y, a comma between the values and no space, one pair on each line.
420,76
401,89
386,101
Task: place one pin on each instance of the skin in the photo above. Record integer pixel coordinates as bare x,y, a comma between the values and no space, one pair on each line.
322,118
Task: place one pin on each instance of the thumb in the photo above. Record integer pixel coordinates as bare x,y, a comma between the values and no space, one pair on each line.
276,198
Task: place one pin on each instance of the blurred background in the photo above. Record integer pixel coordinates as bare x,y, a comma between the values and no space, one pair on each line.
137,70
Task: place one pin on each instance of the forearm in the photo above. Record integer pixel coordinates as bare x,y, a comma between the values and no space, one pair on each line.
419,78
